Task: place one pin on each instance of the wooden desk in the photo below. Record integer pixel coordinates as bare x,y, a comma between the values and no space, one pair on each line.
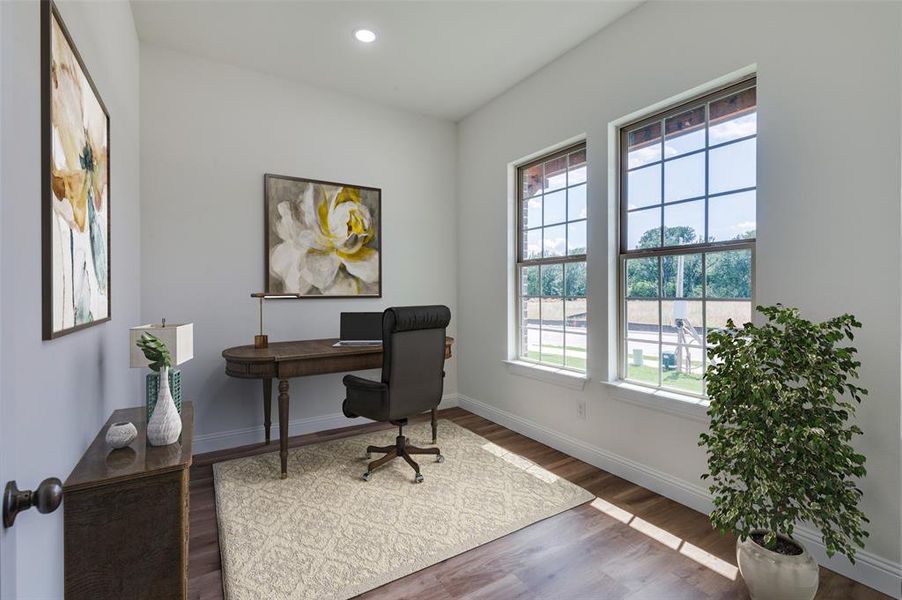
125,518
284,360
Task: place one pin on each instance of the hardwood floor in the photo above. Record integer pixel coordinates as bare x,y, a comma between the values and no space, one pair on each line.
632,544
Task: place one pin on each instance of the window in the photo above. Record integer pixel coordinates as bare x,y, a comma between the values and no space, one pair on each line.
687,234
551,260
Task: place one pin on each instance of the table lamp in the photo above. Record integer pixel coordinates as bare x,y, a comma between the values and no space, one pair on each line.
262,340
179,340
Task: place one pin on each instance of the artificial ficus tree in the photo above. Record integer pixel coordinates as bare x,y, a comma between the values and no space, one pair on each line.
779,444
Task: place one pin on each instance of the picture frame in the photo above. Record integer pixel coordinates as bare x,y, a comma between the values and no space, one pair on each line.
75,186
322,239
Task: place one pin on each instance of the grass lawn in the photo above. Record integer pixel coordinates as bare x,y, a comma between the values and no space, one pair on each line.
672,379
573,362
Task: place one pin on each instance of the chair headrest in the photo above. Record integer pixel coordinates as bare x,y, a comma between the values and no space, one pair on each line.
408,318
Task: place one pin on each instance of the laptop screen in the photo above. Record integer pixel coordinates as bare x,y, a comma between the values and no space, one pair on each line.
361,326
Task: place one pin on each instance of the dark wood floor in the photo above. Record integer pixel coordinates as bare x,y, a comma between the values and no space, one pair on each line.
639,553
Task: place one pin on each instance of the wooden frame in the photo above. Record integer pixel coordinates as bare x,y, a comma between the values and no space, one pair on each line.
267,179
49,13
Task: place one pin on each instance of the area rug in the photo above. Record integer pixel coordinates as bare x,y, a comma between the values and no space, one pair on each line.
326,533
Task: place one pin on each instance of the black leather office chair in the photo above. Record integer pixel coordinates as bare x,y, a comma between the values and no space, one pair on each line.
413,350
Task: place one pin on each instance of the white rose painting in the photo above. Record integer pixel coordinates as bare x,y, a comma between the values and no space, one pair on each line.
322,238
76,213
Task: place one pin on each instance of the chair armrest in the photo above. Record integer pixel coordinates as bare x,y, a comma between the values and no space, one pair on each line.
364,385
365,398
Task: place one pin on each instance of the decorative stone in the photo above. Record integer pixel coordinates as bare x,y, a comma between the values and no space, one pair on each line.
120,435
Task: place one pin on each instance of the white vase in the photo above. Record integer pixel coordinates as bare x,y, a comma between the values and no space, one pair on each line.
165,426
774,576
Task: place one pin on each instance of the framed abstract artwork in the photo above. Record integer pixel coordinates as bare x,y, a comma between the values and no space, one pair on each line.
75,188
323,239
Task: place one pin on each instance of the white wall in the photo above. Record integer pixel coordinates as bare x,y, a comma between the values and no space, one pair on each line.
7,538
828,217
208,134
57,394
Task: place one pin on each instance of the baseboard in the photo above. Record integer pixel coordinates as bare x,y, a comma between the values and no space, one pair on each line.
869,569
220,440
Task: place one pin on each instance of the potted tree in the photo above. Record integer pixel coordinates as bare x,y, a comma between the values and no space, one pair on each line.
779,445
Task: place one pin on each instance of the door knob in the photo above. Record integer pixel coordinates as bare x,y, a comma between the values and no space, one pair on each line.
46,498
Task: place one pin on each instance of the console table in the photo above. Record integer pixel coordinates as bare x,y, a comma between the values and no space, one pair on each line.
125,517
284,360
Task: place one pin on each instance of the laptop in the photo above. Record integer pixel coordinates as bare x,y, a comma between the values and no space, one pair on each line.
360,329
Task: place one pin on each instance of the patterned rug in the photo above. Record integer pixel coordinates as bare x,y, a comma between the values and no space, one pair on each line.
326,533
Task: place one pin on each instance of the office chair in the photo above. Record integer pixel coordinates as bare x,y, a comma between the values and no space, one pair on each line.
413,358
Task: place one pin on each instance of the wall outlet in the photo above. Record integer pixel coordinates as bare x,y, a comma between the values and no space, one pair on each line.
581,409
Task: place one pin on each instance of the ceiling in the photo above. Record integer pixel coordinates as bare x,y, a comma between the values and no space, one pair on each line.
439,58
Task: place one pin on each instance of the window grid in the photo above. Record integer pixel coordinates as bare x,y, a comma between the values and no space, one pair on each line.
570,261
704,248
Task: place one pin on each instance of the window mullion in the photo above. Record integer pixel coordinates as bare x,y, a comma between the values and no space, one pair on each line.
707,168
663,167
660,321
691,249
707,238
704,318
564,322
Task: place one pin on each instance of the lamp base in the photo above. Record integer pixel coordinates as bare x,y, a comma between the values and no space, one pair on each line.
152,388
261,341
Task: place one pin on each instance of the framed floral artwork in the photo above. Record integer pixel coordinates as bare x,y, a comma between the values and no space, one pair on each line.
323,239
75,172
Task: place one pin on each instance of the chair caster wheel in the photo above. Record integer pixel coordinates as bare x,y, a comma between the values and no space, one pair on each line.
439,458
418,478
369,455
366,476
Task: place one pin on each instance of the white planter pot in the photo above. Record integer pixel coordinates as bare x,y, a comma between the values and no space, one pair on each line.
165,425
774,576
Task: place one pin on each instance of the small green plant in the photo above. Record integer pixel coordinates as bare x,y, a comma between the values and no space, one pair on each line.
779,443
155,351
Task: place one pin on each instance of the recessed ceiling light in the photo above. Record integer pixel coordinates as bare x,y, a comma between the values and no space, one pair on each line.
365,35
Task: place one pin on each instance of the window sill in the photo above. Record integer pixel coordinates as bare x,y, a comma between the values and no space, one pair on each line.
563,377
669,402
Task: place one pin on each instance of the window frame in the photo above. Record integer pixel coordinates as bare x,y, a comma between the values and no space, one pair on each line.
520,261
703,248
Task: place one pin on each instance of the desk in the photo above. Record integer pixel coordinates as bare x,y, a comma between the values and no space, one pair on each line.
284,360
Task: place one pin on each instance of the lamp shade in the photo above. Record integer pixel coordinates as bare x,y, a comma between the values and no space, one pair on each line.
179,340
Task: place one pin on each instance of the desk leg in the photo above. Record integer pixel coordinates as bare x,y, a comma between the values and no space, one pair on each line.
283,426
434,426
267,408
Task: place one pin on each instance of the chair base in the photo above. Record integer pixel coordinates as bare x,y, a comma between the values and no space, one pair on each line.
401,449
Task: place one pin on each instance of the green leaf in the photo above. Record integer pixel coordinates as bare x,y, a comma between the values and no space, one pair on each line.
154,351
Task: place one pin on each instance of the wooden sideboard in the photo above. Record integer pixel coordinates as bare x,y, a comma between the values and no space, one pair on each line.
126,516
